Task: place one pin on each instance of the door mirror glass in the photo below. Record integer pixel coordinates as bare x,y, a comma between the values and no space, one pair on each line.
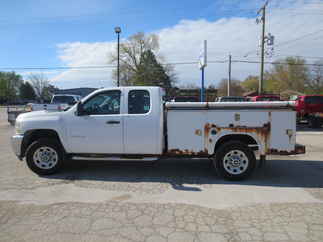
79,109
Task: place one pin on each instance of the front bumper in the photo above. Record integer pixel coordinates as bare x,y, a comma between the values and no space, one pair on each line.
16,142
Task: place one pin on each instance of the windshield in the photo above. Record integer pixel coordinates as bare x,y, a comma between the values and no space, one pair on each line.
186,99
233,99
272,98
314,100
63,99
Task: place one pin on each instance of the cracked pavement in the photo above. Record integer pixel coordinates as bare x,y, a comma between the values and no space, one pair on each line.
170,200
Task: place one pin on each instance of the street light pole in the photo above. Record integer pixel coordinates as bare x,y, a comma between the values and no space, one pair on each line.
118,31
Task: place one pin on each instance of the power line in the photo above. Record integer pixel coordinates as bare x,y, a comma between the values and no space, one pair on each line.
171,63
289,41
299,38
277,63
56,68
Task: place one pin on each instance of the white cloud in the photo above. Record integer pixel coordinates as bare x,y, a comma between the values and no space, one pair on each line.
181,43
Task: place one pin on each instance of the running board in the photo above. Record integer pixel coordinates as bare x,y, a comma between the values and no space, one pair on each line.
114,158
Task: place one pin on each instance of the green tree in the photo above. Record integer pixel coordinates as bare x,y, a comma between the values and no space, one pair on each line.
140,63
288,74
235,90
151,73
26,91
315,85
9,86
251,83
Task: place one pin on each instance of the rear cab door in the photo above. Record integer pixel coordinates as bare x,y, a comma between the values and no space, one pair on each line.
143,121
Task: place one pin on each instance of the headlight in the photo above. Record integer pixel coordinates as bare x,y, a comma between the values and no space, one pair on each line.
18,128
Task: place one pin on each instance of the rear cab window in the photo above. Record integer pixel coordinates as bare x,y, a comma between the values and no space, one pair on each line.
138,102
63,99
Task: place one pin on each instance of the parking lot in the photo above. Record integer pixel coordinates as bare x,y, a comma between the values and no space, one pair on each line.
168,200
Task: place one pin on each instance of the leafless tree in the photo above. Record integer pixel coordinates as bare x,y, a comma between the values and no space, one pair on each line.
40,84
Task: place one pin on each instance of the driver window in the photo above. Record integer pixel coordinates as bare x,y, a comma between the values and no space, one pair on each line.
103,103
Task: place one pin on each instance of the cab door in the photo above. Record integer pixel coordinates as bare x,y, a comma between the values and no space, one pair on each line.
100,129
141,124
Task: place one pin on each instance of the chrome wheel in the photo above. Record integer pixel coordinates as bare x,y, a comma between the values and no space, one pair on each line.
45,157
235,162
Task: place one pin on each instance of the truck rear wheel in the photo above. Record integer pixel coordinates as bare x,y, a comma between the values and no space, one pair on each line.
234,161
314,122
45,156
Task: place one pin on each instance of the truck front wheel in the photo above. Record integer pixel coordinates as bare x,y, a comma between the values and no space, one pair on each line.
234,161
44,156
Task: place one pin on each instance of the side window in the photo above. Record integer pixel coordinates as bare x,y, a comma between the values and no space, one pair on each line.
103,103
138,102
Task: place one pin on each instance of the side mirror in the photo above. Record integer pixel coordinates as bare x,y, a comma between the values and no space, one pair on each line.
72,103
79,109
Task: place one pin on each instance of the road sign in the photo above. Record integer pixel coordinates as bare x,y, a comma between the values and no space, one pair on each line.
203,55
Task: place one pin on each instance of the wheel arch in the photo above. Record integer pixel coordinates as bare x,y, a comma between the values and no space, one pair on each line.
36,134
249,139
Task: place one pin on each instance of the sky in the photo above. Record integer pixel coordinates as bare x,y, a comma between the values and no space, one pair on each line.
76,33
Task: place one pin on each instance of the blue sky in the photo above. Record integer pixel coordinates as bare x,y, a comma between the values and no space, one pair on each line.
37,33
31,29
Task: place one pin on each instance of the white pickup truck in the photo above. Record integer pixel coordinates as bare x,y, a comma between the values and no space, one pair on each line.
135,123
59,102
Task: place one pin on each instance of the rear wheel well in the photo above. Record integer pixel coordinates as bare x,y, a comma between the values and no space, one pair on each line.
34,135
243,138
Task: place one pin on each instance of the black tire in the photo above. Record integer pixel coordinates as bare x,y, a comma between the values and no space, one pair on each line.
52,146
240,168
314,122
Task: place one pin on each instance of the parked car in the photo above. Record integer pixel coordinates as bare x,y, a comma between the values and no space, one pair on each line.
231,99
186,99
58,103
133,123
264,98
310,109
65,98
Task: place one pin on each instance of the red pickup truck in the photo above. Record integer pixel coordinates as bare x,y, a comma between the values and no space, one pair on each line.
262,98
310,109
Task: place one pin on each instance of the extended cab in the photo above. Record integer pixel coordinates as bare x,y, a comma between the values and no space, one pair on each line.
134,123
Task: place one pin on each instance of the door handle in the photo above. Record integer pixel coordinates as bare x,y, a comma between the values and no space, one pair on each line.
113,122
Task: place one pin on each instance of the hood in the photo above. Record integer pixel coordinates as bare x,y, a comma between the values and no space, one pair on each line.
38,114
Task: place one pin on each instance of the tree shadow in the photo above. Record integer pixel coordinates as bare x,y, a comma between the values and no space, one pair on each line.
184,174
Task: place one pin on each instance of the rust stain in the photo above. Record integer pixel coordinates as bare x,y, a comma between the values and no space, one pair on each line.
299,149
198,132
186,152
263,132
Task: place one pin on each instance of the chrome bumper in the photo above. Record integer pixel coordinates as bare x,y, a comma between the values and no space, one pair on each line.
16,142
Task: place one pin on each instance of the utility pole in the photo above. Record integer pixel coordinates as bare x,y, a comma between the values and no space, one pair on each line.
262,65
229,79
